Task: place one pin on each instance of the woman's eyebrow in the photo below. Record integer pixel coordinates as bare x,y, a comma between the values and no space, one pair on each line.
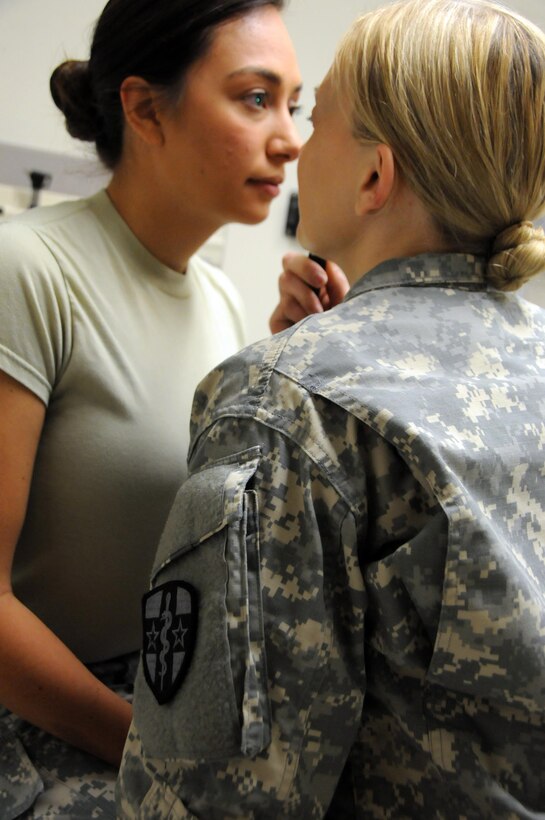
265,73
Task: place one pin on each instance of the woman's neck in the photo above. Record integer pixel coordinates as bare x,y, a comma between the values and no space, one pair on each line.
169,230
403,230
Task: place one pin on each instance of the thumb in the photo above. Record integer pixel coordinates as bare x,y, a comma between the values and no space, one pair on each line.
337,283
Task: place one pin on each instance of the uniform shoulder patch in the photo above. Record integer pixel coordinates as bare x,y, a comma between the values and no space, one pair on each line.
169,616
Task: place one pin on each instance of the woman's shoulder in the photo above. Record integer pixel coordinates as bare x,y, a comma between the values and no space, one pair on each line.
36,219
23,251
26,235
30,271
38,242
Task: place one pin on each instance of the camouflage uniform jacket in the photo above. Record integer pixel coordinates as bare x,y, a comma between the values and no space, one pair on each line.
361,537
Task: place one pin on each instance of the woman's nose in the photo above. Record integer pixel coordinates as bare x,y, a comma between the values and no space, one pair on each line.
286,142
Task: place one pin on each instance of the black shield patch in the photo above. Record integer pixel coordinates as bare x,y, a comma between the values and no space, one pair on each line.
169,615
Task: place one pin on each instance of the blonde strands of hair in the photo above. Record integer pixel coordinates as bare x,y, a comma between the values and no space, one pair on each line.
457,89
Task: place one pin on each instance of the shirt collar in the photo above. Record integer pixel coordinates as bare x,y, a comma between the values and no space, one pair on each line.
458,270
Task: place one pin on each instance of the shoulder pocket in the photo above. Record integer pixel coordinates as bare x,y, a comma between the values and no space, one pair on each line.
210,546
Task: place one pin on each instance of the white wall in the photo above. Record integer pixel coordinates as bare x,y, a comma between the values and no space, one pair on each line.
38,34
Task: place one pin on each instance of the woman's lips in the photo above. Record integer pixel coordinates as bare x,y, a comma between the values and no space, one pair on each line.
269,185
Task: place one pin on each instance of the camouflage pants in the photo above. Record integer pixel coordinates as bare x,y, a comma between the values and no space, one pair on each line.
42,777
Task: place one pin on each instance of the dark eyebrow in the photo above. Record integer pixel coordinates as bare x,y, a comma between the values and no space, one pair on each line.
270,76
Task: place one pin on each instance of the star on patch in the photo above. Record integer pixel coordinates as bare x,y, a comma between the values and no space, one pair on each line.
152,636
180,634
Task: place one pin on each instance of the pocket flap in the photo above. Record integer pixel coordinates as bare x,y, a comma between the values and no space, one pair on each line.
206,502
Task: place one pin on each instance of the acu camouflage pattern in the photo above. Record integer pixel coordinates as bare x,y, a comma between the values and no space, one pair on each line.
42,777
364,523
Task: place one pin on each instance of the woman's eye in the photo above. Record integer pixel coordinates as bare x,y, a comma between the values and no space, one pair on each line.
257,99
295,109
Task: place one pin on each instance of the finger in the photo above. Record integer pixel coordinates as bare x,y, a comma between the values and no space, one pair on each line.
294,289
337,284
278,321
289,311
305,269
285,315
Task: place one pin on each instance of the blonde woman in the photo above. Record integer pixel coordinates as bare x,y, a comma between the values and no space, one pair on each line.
354,570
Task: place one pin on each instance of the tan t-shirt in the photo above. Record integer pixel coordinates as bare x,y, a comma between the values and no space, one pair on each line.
114,343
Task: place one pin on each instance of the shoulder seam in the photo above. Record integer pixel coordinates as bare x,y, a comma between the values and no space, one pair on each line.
58,266
318,457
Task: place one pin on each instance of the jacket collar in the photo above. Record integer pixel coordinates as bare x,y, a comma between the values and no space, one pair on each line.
458,270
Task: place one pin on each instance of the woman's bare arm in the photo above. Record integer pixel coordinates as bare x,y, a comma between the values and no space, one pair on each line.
42,681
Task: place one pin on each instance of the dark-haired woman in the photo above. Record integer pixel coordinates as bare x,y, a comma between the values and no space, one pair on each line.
107,323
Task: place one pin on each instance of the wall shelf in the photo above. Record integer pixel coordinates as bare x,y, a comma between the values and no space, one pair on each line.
72,175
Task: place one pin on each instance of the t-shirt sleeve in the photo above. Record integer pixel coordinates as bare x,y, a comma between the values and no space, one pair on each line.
35,316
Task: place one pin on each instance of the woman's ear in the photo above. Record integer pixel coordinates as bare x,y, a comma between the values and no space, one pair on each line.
141,106
378,179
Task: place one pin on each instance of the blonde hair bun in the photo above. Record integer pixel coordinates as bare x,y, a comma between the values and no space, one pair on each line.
518,253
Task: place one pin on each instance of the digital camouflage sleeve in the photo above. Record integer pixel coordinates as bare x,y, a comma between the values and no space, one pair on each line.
347,610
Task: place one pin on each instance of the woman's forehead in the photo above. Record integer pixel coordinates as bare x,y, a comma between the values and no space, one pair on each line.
257,42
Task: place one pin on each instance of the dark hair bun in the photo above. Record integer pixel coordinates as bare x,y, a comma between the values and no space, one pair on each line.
72,93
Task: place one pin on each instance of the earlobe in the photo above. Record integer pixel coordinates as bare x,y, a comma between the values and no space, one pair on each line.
378,181
140,103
